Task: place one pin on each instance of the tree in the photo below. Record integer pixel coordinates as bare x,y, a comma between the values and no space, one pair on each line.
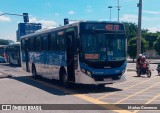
131,29
5,42
157,45
150,38
132,47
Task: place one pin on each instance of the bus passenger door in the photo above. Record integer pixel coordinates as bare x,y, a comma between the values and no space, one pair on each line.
70,55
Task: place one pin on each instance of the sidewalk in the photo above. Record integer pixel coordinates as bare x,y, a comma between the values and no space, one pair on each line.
131,66
2,75
152,61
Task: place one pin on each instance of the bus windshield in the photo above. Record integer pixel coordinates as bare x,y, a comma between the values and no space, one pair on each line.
103,47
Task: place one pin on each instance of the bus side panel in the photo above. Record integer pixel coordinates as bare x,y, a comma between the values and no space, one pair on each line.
48,63
55,61
35,58
23,61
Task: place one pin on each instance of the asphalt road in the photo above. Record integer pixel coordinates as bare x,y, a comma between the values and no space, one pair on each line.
18,87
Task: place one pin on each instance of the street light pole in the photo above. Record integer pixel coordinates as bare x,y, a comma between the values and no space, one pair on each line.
25,16
110,11
139,27
10,14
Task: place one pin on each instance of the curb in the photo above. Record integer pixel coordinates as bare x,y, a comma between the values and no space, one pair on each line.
5,75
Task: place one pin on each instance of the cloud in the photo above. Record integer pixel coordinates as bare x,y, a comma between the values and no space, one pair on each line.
151,20
89,9
10,36
129,18
56,14
89,6
151,12
4,19
134,18
48,4
45,23
154,29
71,12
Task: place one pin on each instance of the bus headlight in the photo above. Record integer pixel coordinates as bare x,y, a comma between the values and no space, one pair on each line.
88,73
124,71
83,70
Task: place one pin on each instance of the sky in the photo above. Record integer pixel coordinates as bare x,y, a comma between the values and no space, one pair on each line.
52,12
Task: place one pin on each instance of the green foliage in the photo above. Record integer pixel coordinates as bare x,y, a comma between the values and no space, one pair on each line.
3,42
150,38
132,47
131,29
157,45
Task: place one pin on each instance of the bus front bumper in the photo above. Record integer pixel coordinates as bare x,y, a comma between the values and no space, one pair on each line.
84,79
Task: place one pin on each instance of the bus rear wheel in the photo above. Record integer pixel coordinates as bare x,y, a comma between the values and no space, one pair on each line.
34,72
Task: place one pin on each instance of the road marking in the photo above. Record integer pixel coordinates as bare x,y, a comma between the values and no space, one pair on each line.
151,100
136,93
100,103
84,97
124,89
126,82
1,74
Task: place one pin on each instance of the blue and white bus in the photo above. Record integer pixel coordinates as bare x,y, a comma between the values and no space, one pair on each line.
88,52
12,53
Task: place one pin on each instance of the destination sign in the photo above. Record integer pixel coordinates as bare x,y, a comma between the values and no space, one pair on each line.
103,26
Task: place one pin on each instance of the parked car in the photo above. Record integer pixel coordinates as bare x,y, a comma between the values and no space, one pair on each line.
2,59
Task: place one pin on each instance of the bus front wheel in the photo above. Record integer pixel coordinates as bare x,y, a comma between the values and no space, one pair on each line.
64,79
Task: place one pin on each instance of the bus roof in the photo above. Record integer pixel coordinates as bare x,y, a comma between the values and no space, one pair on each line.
2,45
65,26
14,44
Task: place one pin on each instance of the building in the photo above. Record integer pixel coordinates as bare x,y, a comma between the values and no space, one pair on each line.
27,28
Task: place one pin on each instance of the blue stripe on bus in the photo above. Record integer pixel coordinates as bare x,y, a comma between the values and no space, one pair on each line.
107,71
50,58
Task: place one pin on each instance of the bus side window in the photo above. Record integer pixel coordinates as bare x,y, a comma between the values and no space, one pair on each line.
49,41
38,43
53,45
45,43
23,45
57,43
31,44
61,43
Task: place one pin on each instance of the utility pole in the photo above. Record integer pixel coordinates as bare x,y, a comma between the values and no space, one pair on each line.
118,7
139,27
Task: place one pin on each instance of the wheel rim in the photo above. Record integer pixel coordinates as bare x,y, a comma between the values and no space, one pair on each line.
149,74
64,78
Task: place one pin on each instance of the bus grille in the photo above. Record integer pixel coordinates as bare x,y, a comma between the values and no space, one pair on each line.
102,77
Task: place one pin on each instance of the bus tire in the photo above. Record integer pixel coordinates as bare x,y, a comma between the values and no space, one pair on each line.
64,78
9,61
34,72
